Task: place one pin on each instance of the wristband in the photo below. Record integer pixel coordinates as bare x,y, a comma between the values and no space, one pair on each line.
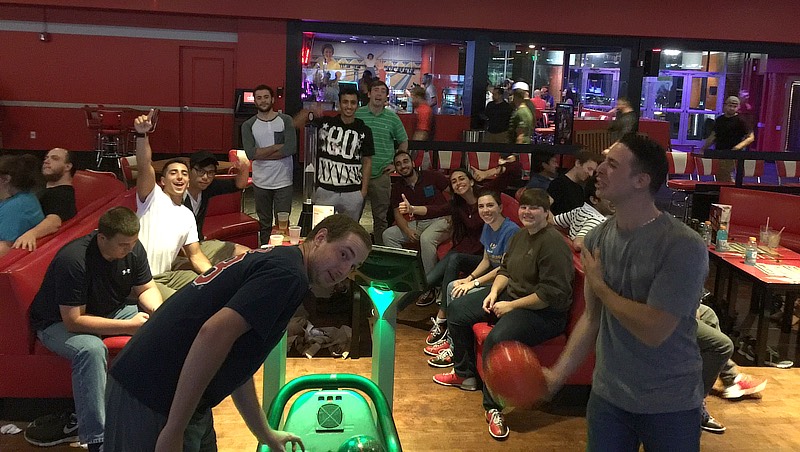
140,135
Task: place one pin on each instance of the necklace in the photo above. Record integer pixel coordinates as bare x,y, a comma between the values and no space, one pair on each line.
650,220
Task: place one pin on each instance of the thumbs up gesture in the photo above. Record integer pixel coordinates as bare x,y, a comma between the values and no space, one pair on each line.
405,207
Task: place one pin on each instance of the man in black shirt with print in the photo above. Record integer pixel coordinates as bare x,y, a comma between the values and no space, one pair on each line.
731,132
82,298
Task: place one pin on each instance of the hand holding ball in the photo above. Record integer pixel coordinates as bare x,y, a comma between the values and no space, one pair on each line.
514,376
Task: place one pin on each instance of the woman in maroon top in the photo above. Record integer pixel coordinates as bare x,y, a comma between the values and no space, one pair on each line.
467,227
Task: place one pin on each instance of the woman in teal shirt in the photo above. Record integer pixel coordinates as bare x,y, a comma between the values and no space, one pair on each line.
19,208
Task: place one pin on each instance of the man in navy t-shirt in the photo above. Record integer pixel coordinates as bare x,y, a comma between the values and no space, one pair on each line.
82,298
213,335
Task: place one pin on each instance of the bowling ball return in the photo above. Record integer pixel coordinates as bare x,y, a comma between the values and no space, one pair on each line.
331,414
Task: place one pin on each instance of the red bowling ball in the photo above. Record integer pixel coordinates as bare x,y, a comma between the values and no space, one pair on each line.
514,376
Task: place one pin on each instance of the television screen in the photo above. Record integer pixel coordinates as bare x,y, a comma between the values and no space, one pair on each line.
248,98
400,269
245,102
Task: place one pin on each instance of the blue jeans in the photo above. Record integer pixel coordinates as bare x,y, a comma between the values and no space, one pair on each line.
447,270
89,357
523,325
611,428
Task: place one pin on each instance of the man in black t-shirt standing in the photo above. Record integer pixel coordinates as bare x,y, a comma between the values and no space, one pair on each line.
82,298
213,335
344,156
498,115
730,132
204,185
57,199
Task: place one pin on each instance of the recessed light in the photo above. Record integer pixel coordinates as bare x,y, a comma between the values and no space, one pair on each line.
531,46
343,41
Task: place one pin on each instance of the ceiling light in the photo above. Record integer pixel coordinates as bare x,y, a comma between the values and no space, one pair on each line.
532,46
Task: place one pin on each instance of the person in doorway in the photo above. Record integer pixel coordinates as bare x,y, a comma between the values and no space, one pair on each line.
731,132
269,140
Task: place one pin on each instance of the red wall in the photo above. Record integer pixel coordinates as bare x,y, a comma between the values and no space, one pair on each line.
83,69
753,20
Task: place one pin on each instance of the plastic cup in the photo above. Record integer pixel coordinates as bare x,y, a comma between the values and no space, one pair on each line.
763,235
276,239
294,234
283,221
774,240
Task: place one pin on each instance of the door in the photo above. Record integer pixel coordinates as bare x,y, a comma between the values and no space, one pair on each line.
689,101
206,96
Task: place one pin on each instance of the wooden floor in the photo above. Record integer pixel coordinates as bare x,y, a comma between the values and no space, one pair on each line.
431,417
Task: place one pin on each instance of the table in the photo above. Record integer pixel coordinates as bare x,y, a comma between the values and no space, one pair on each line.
764,285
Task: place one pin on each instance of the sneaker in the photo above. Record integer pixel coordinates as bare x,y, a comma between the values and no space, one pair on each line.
774,360
497,424
53,429
443,359
437,333
427,298
747,348
451,379
435,349
710,424
744,385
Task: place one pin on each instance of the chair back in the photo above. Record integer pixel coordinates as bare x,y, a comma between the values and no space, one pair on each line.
449,160
754,168
681,163
110,120
129,170
706,167
90,185
510,208
483,160
787,170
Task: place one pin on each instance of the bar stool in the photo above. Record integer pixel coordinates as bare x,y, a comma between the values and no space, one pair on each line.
110,136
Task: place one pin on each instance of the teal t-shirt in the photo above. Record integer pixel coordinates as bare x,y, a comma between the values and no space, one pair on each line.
18,214
387,132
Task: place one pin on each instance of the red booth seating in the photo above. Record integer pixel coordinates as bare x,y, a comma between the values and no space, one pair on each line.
27,368
750,209
93,190
549,351
226,221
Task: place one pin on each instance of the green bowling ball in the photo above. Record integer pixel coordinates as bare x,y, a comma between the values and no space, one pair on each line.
362,443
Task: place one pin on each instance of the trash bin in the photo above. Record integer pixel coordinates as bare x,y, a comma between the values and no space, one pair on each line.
474,136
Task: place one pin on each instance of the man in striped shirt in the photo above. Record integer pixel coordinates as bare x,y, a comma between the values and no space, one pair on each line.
579,221
388,136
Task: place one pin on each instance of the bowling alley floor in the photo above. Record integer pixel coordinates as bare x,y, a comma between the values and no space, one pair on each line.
436,418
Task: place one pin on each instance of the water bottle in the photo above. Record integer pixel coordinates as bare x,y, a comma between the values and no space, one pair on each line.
707,233
751,252
722,238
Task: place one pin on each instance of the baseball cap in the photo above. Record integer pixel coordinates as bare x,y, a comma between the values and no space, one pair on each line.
201,159
520,85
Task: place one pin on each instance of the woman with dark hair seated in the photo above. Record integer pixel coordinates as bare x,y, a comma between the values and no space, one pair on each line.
466,227
19,208
497,231
528,301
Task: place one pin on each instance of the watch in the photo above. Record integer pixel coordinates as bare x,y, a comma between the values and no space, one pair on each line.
476,283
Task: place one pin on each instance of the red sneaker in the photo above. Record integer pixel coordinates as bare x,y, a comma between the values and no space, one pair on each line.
451,379
745,385
435,349
497,424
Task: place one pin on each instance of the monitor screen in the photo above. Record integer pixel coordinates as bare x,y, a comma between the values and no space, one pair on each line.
248,98
245,102
400,269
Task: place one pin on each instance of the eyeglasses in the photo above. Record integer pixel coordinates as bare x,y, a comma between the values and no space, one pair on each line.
201,172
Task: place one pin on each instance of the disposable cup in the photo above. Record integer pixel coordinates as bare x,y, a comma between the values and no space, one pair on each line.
283,221
276,239
294,234
763,235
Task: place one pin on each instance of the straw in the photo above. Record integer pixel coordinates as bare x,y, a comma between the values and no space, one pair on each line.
781,231
767,223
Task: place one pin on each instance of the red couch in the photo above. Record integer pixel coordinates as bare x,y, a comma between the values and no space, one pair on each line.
27,368
226,221
548,352
750,209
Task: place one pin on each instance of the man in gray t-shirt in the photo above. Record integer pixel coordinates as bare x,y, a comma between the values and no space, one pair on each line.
644,276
